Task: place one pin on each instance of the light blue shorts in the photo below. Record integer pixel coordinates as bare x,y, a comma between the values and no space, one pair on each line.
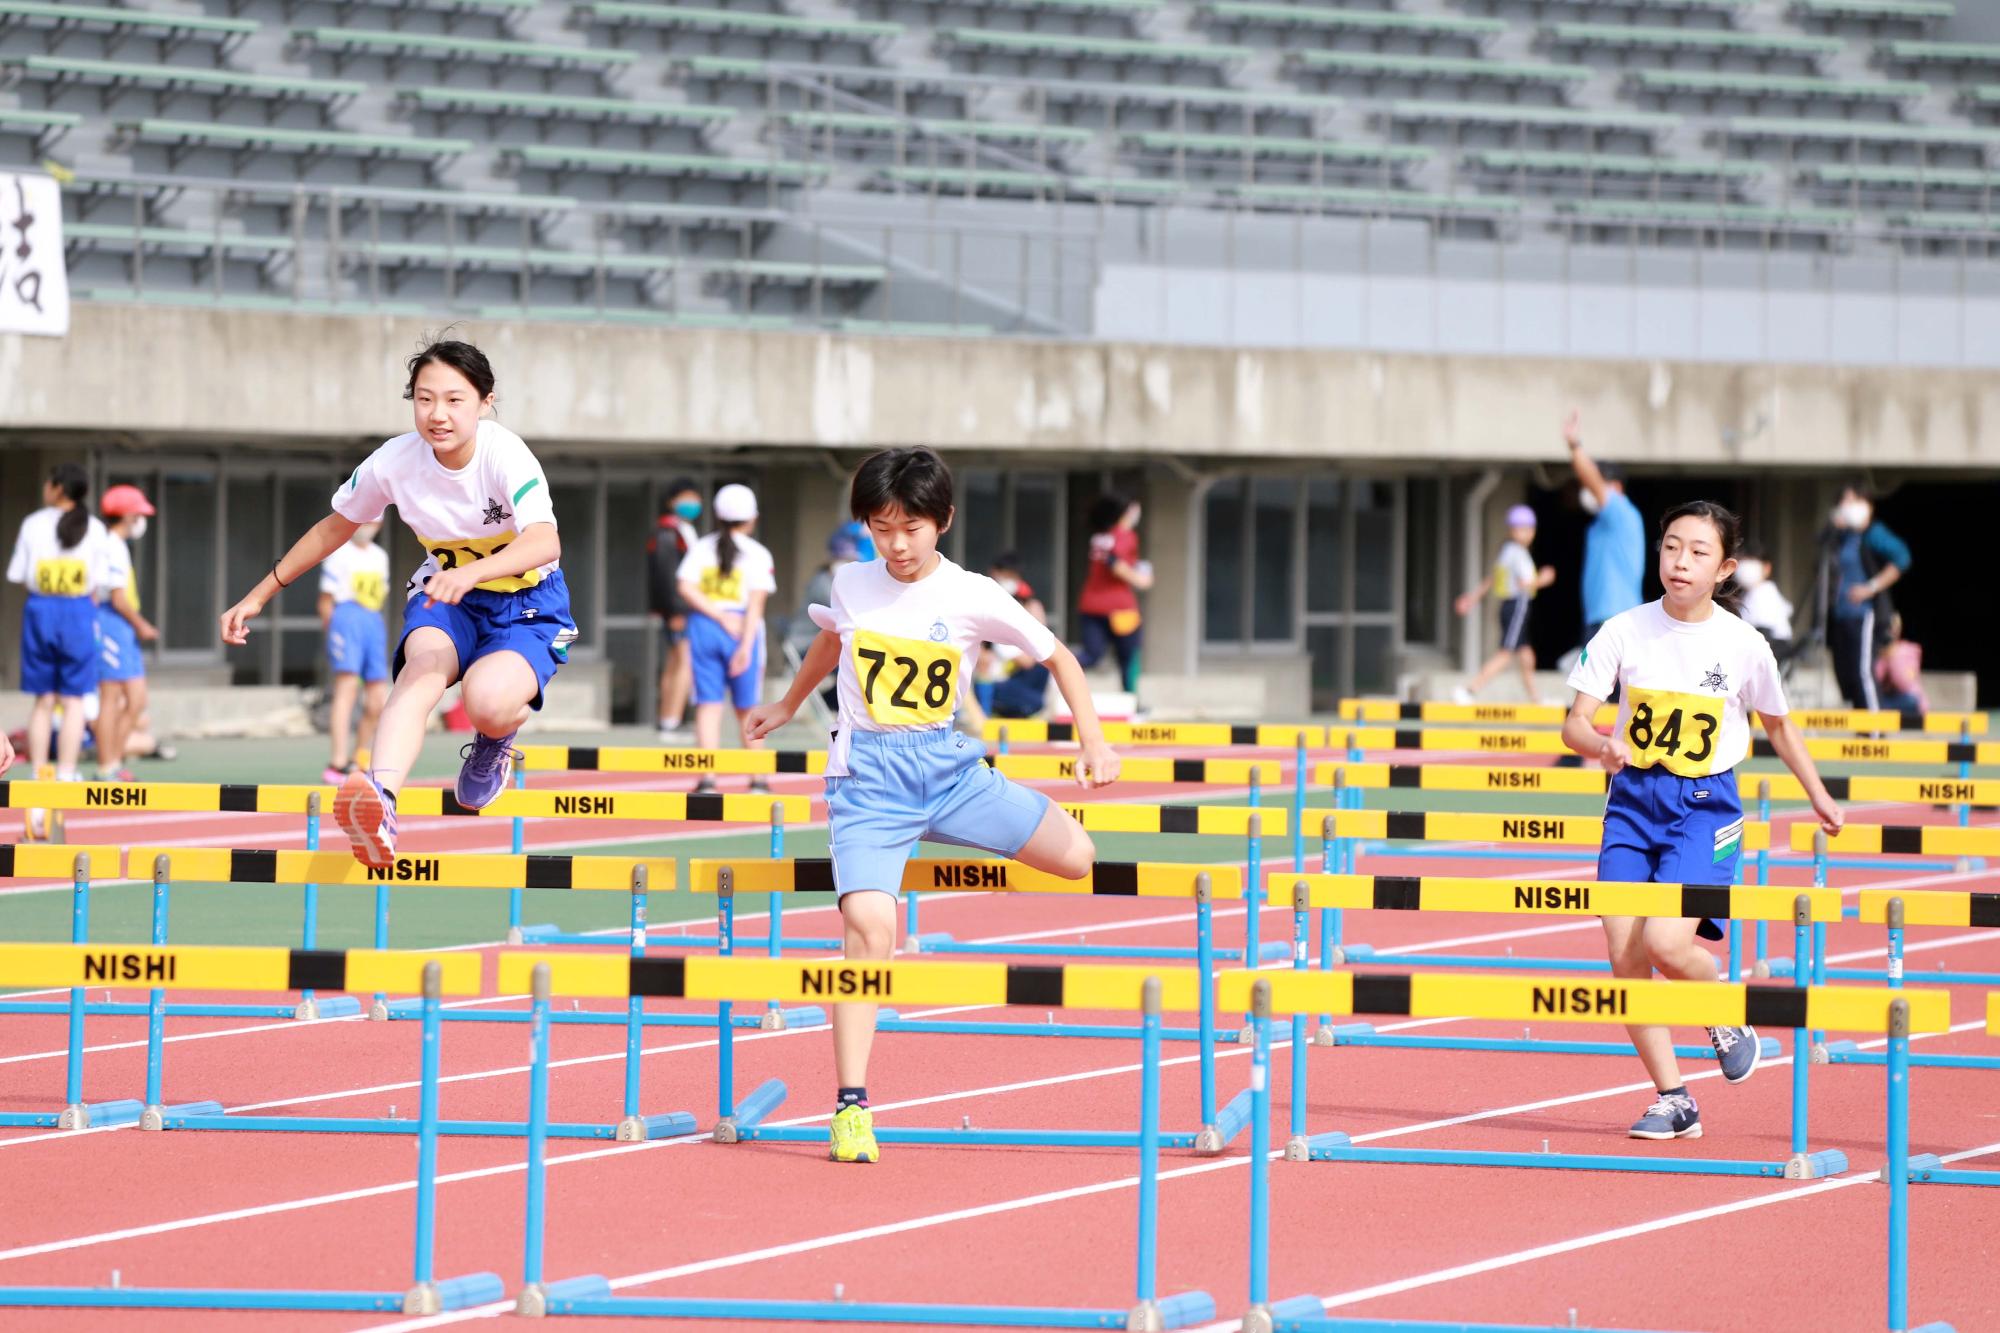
118,657
906,787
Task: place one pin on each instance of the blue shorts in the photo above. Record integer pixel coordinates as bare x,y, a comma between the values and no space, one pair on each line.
357,642
709,649
59,646
534,622
118,655
905,787
1663,829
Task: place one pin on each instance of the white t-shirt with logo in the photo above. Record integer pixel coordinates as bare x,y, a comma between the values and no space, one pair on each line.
50,569
1687,689
903,645
1513,572
356,574
752,570
459,516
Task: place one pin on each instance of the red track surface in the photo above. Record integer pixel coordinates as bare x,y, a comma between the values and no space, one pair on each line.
1007,1226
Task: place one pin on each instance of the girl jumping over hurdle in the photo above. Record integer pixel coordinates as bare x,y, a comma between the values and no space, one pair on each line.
487,609
1689,672
898,631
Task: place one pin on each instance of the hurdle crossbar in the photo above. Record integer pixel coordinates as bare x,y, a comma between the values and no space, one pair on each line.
1521,714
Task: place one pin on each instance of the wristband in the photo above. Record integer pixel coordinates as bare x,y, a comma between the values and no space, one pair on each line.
274,574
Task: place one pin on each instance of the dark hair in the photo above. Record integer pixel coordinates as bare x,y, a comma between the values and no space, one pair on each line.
678,486
725,548
915,481
74,483
1728,528
1610,471
462,357
1106,510
1752,550
1007,560
1859,485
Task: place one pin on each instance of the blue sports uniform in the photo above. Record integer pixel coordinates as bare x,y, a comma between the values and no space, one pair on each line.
60,648
711,648
357,638
119,656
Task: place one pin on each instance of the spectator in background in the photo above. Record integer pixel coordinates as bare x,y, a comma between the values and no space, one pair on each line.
665,549
1860,560
1614,548
1899,676
1008,682
353,586
1765,608
121,670
1514,581
844,547
1109,604
725,580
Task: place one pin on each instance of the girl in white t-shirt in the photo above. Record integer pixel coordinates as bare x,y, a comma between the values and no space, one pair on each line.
487,609
725,579
353,588
899,631
1689,673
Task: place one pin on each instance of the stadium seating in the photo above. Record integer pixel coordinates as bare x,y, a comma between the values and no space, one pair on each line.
1628,45
1028,53
1423,75
119,88
1267,24
35,27
690,29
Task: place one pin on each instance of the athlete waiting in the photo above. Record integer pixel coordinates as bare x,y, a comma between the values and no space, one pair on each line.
488,607
1690,672
898,631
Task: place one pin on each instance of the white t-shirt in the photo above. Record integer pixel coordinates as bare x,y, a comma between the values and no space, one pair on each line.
1687,689
459,516
753,570
48,568
114,571
1765,608
356,574
1513,572
903,645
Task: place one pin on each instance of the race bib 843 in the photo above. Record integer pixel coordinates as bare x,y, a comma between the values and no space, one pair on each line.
1677,732
905,682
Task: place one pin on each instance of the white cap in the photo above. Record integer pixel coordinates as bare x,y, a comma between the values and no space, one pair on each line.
735,503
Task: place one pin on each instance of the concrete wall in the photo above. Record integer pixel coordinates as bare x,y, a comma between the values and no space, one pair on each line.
167,375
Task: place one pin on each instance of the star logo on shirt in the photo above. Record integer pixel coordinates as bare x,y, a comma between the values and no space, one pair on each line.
494,513
1714,679
939,633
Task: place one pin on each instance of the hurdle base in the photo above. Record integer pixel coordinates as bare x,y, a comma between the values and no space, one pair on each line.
1279,1314
1257,1319
198,1298
751,1112
378,1010
964,1136
99,1115
453,1293
333,1006
1364,1034
533,1300
884,1022
1850,1053
1929,1169
1233,1119
1179,1311
154,1117
1816,1165
1247,1034
940,942
666,1125
1336,1147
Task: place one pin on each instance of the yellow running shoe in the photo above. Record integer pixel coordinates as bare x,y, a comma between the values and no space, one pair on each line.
853,1137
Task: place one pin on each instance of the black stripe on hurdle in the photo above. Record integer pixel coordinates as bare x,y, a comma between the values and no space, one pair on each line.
1761,747
1180,819
237,799
666,977
452,807
812,874
792,761
1034,983
1398,893
581,759
1117,878
1983,910
1381,993
316,969
1406,775
1774,1006
252,867
1410,712
6,795
1700,900
6,860
1062,731
1902,839
1243,735
1190,770
1406,826
548,872
1409,738
1568,761
1956,752
705,806
1837,788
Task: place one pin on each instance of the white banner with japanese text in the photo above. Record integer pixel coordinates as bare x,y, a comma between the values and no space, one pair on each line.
34,286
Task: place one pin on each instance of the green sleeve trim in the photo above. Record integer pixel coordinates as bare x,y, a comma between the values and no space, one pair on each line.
526,486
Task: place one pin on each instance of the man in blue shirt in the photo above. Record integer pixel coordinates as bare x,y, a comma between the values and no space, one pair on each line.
1861,560
1614,549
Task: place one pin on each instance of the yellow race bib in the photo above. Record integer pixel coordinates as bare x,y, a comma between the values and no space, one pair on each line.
905,682
369,588
1677,732
450,553
717,586
132,589
61,578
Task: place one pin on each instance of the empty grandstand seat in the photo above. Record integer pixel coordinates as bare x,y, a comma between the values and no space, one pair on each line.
1266,24
1514,126
1797,140
627,174
221,150
864,136
1034,54
1872,18
1687,13
25,135
1627,45
184,92
1731,92
481,61
1239,157
1660,216
1116,106
464,18
741,81
602,121
696,29
1426,75
1622,174
34,27
1090,18
1884,187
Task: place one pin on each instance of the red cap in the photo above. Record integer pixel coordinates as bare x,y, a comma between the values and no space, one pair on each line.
121,501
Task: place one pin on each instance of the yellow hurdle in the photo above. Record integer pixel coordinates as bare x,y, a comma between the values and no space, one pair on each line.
1932,907
222,865
1435,826
46,860
1903,839
269,799
1225,772
1520,714
1031,732
1590,781
215,967
681,761
1128,879
1550,897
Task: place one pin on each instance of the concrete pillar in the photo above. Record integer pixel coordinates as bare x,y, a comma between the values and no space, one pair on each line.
1171,537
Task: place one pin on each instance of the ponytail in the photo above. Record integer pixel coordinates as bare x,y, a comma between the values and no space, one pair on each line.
725,550
74,483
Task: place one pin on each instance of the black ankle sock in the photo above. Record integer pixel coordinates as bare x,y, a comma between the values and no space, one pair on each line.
851,1097
1680,1091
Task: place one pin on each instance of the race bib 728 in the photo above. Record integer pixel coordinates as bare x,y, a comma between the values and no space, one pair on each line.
905,682
61,578
1674,731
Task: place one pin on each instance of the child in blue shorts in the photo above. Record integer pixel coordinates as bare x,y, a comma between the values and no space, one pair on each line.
898,631
724,580
121,670
487,609
353,585
1689,672
58,556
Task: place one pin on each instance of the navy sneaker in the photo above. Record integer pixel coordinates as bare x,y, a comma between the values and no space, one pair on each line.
1737,1050
489,762
1671,1116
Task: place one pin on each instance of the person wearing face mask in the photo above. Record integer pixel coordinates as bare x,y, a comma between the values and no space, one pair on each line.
1860,560
1614,548
121,670
1765,607
680,506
